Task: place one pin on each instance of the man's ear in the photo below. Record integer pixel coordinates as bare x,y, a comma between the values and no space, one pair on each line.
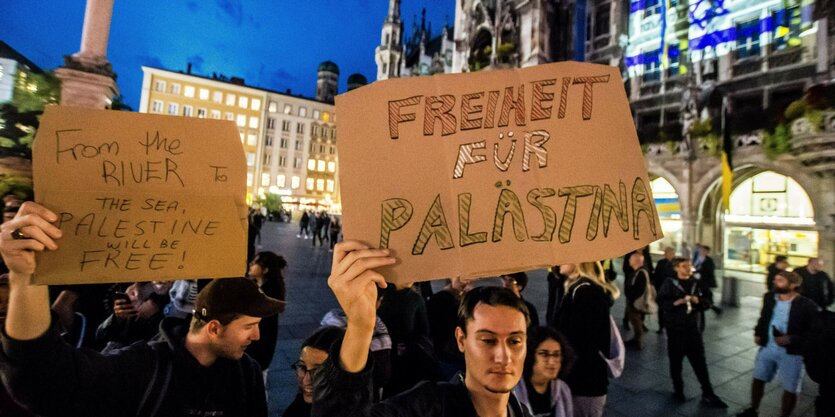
214,328
459,338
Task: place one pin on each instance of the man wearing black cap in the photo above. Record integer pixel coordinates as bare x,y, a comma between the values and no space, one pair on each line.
196,369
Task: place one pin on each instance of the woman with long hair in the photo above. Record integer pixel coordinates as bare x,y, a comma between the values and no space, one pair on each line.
584,318
549,357
267,269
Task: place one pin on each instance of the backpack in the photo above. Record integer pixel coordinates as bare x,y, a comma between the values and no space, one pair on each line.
646,302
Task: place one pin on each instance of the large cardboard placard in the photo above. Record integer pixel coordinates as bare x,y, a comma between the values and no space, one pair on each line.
140,197
478,174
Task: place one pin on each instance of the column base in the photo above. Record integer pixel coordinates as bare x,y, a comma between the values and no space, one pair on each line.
84,89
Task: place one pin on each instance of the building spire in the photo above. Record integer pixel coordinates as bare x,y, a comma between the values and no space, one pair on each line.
394,11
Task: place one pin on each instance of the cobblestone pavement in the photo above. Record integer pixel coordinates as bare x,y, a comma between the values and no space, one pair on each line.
644,389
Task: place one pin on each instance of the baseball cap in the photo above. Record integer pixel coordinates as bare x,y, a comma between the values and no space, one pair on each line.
234,296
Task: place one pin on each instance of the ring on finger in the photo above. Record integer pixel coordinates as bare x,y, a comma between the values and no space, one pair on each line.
17,234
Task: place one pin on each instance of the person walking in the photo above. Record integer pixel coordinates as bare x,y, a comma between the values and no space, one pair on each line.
781,331
635,287
303,223
816,283
682,299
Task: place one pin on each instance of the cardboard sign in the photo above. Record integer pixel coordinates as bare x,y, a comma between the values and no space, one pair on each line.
140,197
485,173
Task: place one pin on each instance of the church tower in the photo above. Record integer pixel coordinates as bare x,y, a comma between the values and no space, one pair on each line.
327,82
389,54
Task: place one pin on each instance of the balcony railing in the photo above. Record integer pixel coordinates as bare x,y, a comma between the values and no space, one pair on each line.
783,57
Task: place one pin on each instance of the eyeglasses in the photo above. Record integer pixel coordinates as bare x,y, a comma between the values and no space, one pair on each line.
546,354
302,370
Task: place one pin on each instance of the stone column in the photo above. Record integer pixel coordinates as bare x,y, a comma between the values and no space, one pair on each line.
87,78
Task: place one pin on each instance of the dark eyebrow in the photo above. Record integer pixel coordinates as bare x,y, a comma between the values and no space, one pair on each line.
516,333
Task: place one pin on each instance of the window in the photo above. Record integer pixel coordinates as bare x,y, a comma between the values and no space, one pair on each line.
173,108
268,157
298,145
282,161
601,21
243,137
269,140
320,184
270,123
288,109
316,114
175,88
310,183
311,164
250,159
673,55
283,143
748,39
215,114
302,111
324,132
326,116
189,91
320,165
651,7
265,180
273,107
230,99
217,96
788,24
385,68
652,66
330,186
256,104
241,120
281,181
159,85
204,94
333,150
187,111
285,125
201,113
249,179
300,128
253,122
251,139
229,116
243,102
297,163
321,148
295,182
156,106
331,166
312,146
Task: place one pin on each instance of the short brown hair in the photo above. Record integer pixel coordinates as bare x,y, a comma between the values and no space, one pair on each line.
791,277
492,296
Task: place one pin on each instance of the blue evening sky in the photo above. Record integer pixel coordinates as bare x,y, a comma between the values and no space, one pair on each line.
275,44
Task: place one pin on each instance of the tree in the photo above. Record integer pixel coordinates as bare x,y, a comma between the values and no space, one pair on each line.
19,118
271,201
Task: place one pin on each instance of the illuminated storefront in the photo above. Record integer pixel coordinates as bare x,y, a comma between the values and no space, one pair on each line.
669,211
770,214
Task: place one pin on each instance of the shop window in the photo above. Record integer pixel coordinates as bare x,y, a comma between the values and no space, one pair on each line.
748,39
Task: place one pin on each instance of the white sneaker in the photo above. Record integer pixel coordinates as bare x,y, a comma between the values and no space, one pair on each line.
305,238
298,235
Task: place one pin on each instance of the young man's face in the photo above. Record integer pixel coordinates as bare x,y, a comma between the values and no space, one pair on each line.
684,270
235,337
494,348
783,286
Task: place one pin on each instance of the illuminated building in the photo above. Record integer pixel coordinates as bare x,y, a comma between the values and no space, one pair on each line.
281,133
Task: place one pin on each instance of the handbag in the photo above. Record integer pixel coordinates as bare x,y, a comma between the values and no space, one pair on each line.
646,302
616,358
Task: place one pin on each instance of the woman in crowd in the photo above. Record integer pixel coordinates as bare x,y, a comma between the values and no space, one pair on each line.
267,269
315,350
584,318
549,356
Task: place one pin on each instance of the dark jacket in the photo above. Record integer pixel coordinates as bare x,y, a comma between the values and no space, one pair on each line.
663,270
556,291
298,408
636,285
676,316
769,278
802,316
584,319
817,287
707,273
55,379
338,393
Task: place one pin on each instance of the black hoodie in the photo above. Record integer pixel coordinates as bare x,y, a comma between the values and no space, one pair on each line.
54,379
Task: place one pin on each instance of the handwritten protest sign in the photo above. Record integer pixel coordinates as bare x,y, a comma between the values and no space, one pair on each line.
140,197
479,174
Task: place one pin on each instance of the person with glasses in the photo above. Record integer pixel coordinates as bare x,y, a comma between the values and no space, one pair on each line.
549,356
314,352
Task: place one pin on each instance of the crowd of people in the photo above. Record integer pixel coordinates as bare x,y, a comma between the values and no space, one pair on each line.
201,347
319,226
